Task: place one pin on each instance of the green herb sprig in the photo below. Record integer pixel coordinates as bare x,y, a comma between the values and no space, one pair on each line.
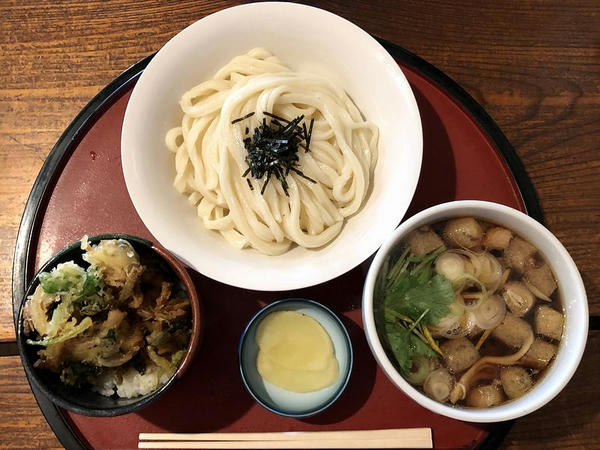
273,148
410,296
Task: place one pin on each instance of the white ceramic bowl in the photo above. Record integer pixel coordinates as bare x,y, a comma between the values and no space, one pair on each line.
571,289
307,39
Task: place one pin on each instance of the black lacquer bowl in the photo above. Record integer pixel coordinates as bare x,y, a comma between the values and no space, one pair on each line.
85,401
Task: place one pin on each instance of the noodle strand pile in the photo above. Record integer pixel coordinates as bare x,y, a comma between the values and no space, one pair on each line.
210,155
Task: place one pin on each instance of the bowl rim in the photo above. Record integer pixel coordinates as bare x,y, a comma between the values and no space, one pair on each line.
256,318
211,270
510,409
195,338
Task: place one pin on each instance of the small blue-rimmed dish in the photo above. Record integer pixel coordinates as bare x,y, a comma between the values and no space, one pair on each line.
282,401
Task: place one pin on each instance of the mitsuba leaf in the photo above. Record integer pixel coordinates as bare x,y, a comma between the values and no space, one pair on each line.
398,341
411,295
405,345
417,288
435,295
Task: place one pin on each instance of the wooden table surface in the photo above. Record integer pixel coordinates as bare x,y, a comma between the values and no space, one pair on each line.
534,66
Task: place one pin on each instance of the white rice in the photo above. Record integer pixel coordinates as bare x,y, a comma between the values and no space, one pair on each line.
131,383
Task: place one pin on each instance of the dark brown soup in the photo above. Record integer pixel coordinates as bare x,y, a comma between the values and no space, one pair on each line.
469,312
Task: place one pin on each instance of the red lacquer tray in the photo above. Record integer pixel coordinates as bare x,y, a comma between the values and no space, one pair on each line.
81,190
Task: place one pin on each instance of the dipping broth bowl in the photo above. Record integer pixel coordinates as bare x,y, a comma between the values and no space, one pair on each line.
571,290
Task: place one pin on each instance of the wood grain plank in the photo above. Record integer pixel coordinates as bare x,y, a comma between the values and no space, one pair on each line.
22,425
533,65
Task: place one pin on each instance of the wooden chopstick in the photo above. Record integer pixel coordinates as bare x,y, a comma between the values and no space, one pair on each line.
312,444
398,438
290,435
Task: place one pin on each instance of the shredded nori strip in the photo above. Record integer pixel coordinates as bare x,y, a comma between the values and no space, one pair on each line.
247,116
273,148
309,134
302,175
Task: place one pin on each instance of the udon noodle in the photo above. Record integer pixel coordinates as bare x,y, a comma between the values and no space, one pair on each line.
210,155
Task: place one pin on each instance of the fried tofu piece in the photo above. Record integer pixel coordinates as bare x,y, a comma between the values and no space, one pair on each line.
516,381
464,232
541,278
512,331
539,354
497,238
485,396
423,241
549,322
518,298
460,354
520,254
